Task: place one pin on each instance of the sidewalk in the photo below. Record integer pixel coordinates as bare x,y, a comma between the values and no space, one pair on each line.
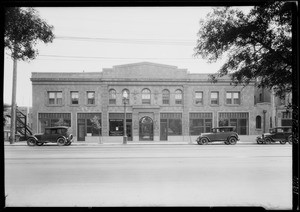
244,139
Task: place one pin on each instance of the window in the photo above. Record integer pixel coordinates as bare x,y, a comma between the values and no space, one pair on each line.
112,97
178,97
74,97
233,98
128,95
55,98
166,97
214,98
146,96
258,122
200,123
198,97
90,97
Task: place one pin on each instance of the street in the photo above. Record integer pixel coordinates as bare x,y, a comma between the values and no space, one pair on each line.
149,175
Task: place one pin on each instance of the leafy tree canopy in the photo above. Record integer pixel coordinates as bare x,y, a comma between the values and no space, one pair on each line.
23,29
258,44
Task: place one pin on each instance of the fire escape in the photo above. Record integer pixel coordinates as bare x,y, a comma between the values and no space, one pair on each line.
21,127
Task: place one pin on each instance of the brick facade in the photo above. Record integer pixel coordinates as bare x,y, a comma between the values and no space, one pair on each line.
135,78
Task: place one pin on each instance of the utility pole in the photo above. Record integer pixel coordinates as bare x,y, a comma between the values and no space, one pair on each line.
13,104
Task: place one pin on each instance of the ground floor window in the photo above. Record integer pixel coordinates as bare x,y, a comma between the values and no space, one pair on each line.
286,119
116,125
89,124
173,123
238,120
52,120
200,123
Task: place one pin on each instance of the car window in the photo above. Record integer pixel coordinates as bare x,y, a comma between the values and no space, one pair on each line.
59,131
53,131
47,131
279,130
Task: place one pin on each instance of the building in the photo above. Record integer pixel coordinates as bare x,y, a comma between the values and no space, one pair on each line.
165,103
22,111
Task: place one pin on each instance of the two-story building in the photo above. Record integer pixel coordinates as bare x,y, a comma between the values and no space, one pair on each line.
165,103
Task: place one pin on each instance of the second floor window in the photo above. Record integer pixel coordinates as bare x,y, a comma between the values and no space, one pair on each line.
55,98
112,96
90,97
233,98
128,96
146,96
214,98
166,97
74,97
178,97
198,97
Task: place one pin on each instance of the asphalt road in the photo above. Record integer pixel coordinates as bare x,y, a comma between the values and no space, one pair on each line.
149,175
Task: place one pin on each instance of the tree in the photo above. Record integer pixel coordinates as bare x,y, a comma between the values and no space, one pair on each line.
97,125
259,44
23,29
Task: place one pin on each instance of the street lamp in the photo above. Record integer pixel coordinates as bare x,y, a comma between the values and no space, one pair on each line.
125,98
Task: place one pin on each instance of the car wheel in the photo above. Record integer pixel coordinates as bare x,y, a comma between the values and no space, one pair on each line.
232,140
259,141
282,141
268,140
290,139
226,142
61,141
204,140
68,143
39,144
31,142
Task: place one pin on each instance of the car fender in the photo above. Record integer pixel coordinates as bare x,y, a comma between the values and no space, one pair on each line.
32,136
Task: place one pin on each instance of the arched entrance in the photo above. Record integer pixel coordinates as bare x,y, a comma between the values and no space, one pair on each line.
146,129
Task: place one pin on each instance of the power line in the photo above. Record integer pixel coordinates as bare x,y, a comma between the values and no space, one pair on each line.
114,58
131,40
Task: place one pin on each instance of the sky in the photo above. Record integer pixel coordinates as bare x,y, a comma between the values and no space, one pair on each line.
89,39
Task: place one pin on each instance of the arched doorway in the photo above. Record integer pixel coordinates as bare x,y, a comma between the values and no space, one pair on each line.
146,129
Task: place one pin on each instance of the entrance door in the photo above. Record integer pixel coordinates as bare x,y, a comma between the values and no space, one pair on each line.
163,130
81,132
146,129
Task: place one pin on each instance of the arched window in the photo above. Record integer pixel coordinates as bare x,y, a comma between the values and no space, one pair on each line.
112,96
178,96
258,122
128,95
166,97
146,96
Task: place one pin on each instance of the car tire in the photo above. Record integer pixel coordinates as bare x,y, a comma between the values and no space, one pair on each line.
268,140
31,142
61,141
290,139
282,141
68,143
232,140
259,141
202,141
39,144
226,142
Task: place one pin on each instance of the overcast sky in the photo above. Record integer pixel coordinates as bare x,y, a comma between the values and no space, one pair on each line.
92,38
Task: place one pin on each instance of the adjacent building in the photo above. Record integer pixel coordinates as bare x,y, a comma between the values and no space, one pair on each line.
164,103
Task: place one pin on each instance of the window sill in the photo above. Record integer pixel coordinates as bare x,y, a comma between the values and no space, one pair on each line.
90,105
54,105
214,105
232,105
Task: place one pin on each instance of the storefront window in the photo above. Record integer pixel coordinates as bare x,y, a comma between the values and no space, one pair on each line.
200,123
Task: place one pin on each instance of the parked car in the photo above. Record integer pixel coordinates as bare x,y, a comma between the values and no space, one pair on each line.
281,134
225,134
59,135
